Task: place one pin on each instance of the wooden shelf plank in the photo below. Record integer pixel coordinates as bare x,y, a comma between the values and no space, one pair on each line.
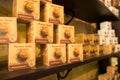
42,71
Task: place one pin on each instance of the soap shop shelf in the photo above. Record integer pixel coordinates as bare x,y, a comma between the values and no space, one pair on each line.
88,10
42,71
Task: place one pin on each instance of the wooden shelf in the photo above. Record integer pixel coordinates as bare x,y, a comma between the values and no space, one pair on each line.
88,10
39,72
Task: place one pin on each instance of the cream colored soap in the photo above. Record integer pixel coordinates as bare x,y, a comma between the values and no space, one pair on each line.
117,48
74,53
114,10
64,34
26,10
111,33
53,13
106,25
102,40
40,32
115,40
8,29
109,40
103,33
54,54
21,56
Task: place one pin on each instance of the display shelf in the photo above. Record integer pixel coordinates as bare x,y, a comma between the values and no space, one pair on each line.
39,72
88,10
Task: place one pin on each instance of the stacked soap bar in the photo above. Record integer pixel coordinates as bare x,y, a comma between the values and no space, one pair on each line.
107,34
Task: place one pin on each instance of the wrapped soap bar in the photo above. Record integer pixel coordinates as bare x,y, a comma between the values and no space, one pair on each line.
74,53
40,32
81,38
111,33
112,70
86,51
115,40
21,56
52,13
94,51
96,39
26,10
8,29
64,34
117,48
109,40
54,54
103,33
102,40
106,25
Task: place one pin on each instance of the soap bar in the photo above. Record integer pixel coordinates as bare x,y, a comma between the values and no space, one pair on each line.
86,51
117,48
64,34
21,56
106,25
81,38
52,13
54,54
94,51
8,29
26,10
40,32
74,53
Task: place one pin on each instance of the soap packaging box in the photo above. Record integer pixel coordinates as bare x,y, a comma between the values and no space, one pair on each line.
8,29
106,25
115,40
64,34
90,38
114,10
96,39
86,51
40,32
21,56
111,33
26,10
74,53
52,13
81,38
109,40
103,32
108,49
94,51
117,48
112,70
54,54
102,40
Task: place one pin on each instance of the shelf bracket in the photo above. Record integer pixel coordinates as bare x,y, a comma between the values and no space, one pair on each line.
63,77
